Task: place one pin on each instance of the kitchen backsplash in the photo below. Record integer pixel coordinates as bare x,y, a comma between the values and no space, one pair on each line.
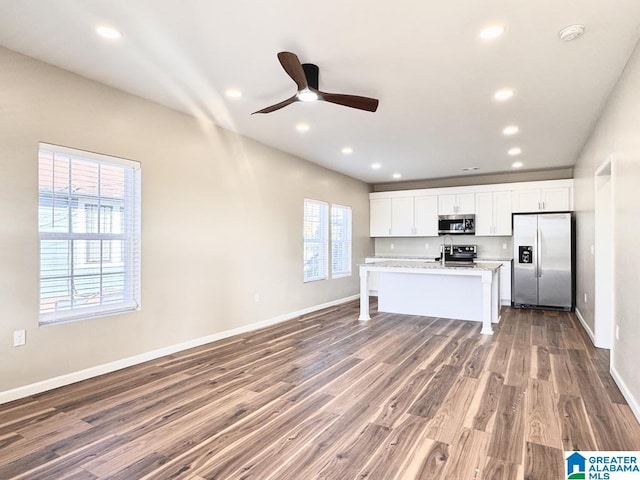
488,247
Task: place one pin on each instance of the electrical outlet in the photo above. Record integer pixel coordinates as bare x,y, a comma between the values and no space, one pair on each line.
19,338
617,332
392,246
585,297
593,250
426,245
504,246
256,297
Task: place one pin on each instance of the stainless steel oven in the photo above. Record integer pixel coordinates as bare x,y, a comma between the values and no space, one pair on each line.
459,254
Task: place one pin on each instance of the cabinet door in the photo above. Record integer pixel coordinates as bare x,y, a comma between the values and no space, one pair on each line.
466,203
447,204
505,283
380,217
526,200
402,216
426,216
556,199
501,213
484,213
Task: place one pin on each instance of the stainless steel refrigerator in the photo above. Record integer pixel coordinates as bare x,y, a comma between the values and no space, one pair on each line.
543,260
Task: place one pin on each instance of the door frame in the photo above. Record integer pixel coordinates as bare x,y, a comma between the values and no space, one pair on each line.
604,324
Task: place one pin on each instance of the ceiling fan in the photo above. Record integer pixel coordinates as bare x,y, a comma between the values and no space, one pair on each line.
305,75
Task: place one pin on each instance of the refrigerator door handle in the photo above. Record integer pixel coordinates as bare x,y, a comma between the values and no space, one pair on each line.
538,255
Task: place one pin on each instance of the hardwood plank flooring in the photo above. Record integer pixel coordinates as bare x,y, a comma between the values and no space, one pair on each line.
324,396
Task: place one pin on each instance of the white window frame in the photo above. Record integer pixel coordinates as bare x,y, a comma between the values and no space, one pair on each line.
315,240
130,257
344,243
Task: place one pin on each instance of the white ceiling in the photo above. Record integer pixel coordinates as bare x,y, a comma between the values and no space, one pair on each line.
423,60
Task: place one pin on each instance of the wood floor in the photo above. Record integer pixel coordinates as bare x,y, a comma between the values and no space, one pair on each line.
327,397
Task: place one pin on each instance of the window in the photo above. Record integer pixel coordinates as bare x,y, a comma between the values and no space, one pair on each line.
340,241
99,219
315,240
89,226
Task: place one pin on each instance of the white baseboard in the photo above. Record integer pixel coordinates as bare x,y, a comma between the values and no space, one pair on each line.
586,327
626,393
62,380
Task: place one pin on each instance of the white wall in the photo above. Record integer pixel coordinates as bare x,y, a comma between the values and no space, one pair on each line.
616,135
221,221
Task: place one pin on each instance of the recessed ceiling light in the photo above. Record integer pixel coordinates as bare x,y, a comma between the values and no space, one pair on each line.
491,32
470,169
567,34
376,166
514,151
503,94
397,175
302,127
347,150
233,93
511,130
517,164
108,32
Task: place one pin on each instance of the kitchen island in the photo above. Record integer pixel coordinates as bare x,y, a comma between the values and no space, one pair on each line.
462,292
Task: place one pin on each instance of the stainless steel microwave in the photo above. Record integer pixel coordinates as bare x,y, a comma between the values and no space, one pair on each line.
457,224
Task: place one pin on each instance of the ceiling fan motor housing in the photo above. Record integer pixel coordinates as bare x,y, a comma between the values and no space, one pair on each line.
311,72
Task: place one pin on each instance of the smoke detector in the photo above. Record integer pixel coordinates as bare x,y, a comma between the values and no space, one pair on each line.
570,33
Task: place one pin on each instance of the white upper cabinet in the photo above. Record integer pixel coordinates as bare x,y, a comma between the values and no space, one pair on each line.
456,204
404,216
550,199
402,213
414,213
380,217
493,213
426,216
556,199
502,211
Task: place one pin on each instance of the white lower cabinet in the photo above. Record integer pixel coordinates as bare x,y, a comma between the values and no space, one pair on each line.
505,280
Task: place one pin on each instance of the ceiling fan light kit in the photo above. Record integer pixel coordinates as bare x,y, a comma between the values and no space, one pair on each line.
307,95
305,76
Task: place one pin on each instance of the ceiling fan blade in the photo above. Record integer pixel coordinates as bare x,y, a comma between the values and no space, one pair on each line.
278,106
353,101
293,67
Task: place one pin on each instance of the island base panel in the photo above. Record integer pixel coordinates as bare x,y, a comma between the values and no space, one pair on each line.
444,296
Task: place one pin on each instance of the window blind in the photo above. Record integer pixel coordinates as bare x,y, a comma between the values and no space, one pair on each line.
340,241
315,232
89,227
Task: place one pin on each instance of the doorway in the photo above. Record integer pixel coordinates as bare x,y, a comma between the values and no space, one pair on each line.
604,255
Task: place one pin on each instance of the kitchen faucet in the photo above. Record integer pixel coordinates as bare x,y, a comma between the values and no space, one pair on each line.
443,249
